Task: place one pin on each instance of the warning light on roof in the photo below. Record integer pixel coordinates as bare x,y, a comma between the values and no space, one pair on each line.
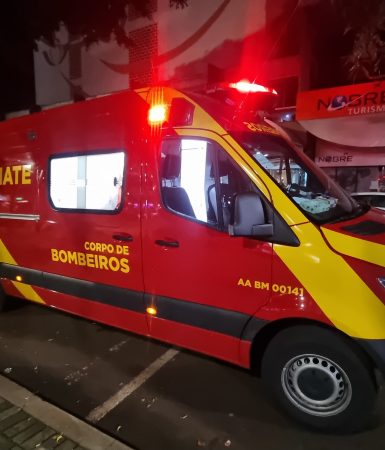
246,87
157,114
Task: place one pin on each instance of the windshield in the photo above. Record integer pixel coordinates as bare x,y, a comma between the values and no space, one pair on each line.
317,195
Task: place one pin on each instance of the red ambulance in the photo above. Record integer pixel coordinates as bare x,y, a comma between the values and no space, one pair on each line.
189,219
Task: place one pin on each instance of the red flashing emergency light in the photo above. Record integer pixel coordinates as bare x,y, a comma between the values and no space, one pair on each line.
179,113
244,86
157,114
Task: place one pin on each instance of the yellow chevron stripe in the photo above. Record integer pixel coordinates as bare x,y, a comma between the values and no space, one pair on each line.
340,293
205,126
165,94
355,247
28,292
215,137
287,209
349,304
25,289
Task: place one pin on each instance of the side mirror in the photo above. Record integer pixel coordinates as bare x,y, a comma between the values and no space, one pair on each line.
249,217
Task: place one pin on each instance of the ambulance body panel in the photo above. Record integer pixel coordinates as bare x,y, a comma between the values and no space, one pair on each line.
81,246
205,229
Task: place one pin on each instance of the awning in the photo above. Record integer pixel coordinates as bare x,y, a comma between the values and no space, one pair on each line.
347,115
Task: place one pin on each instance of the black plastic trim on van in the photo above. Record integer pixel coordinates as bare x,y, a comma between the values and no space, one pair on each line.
89,290
219,320
365,228
207,317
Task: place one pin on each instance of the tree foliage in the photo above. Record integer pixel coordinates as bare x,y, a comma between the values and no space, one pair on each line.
364,21
347,36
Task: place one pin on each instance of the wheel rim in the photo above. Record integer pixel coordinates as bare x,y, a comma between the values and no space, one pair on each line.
316,385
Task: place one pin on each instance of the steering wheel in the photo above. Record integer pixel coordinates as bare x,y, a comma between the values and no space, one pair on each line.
293,189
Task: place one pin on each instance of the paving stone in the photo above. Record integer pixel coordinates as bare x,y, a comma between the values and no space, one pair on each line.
28,433
4,405
5,444
21,431
39,438
52,442
19,427
12,420
67,445
9,412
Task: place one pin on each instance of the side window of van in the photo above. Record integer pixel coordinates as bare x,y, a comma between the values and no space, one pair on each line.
87,182
230,180
199,180
186,173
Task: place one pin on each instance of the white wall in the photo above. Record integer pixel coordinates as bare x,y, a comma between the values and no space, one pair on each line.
189,34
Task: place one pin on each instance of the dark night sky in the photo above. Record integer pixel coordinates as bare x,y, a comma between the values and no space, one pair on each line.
16,63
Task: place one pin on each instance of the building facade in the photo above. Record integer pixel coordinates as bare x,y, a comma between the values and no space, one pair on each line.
295,47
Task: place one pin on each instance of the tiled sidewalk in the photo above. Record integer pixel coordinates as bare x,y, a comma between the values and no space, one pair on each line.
20,431
28,422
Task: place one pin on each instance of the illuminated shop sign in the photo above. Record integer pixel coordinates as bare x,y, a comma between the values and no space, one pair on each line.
355,100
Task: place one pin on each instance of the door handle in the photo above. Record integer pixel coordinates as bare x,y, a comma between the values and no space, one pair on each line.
123,237
167,243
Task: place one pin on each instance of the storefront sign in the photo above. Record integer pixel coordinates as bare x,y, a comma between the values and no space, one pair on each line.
331,155
354,100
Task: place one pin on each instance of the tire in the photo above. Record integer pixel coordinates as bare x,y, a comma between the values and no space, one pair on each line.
320,378
3,300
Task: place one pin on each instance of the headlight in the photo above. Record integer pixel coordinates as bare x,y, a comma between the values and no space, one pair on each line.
381,280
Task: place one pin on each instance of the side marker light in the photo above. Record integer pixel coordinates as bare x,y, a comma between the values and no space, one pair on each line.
151,311
19,278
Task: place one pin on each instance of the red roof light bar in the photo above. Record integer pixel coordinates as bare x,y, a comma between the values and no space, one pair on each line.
246,87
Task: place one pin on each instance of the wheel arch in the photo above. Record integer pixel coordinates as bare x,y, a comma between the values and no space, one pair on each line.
264,336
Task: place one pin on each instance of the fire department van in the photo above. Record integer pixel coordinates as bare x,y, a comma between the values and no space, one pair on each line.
189,219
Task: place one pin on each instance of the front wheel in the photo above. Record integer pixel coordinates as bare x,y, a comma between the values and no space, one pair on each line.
320,378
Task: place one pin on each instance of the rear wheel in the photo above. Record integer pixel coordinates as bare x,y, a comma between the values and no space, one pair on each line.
3,299
320,378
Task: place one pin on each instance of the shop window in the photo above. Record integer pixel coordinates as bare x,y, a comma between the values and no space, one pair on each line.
355,179
91,182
